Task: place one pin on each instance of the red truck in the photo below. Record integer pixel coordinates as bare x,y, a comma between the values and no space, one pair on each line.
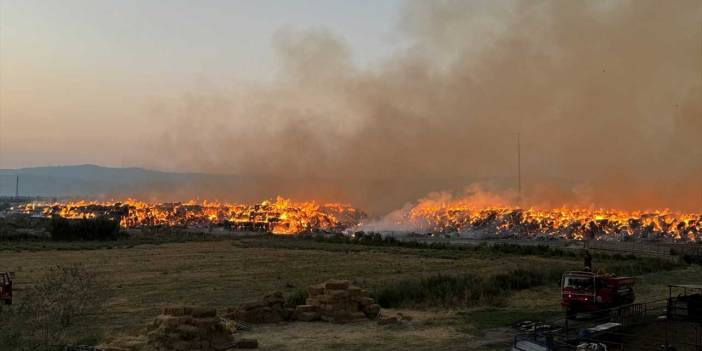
6,288
591,292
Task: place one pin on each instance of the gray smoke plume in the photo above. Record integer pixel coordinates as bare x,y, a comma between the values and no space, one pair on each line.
606,95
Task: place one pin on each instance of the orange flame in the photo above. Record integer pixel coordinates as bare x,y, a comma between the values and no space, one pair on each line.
280,217
564,222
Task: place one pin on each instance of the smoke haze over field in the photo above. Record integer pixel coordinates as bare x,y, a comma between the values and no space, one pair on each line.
607,97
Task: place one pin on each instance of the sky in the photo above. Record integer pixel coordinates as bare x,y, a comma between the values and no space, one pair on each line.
79,78
374,102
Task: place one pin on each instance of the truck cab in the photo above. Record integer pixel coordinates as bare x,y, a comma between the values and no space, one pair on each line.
590,292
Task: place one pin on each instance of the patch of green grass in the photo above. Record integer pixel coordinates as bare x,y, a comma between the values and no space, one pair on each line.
370,241
296,298
463,290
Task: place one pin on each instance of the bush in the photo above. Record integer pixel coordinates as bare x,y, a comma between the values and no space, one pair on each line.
63,229
691,259
297,297
444,290
62,297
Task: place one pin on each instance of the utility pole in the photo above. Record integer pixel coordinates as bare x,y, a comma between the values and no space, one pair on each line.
17,188
519,168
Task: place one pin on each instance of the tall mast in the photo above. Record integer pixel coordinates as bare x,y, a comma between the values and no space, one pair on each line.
519,167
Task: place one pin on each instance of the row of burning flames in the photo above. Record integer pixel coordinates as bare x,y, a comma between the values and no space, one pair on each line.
283,216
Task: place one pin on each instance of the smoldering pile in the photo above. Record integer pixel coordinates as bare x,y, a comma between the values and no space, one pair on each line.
569,224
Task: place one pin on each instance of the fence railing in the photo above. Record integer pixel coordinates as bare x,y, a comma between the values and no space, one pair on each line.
630,317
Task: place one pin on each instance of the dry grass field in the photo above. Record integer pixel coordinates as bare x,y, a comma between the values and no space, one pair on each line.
224,273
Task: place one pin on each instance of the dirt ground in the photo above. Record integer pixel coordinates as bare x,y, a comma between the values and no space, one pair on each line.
225,273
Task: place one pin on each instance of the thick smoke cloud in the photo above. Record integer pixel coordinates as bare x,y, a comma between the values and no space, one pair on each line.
607,98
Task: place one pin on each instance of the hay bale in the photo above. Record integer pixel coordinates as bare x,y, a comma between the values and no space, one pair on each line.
324,299
312,301
173,311
188,332
307,316
363,301
252,306
354,291
338,301
274,298
169,321
315,290
337,295
180,331
206,323
336,284
203,312
263,314
306,308
339,306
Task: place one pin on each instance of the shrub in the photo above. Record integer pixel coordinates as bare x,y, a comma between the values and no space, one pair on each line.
692,259
63,296
463,290
297,297
445,290
63,229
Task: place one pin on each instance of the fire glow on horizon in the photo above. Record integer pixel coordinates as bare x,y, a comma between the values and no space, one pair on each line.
464,215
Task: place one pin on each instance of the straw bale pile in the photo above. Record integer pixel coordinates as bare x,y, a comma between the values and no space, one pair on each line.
188,328
269,310
337,301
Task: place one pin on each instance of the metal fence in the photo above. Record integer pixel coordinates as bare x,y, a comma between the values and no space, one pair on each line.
643,326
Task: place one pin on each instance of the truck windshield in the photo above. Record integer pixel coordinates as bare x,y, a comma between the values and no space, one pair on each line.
580,284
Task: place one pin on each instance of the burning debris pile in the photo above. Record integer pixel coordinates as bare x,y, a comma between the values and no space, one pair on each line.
465,216
279,217
565,223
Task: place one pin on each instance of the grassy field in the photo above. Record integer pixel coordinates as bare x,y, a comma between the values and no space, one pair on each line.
148,275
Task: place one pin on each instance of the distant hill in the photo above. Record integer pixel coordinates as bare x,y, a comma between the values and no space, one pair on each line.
92,180
375,196
97,182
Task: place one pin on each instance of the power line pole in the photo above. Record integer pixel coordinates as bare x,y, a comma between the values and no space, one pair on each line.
519,167
17,188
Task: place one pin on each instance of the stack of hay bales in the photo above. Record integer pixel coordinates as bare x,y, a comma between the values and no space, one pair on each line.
337,301
188,328
269,310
